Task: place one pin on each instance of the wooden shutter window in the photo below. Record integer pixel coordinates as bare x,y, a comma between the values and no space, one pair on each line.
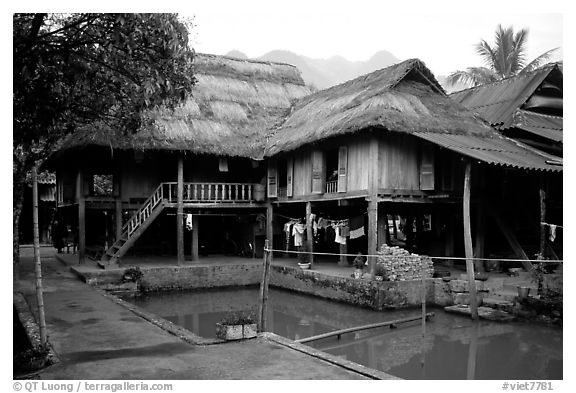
272,180
342,168
317,172
427,168
289,177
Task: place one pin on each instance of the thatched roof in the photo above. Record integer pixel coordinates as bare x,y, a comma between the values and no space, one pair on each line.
402,98
233,105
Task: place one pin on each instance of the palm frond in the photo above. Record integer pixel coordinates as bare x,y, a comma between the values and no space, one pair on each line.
539,61
472,76
517,57
485,51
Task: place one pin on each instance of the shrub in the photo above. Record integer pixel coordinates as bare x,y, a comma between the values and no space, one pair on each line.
132,274
380,270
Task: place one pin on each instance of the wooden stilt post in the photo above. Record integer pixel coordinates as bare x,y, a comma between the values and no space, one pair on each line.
372,234
309,234
180,212
118,217
479,244
468,243
81,218
542,219
195,231
343,258
37,262
270,228
264,288
382,226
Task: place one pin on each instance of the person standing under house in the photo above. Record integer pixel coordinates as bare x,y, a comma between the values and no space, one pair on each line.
57,236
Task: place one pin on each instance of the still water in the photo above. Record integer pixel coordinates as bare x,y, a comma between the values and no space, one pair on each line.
453,347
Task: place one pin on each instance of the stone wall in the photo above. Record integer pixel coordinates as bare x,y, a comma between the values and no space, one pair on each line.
366,293
198,277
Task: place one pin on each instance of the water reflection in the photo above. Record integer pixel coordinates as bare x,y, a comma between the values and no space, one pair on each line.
453,347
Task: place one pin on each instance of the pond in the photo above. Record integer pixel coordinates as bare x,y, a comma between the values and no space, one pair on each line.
453,347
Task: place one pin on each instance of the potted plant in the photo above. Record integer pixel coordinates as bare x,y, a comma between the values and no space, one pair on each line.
380,272
303,259
132,274
237,326
358,266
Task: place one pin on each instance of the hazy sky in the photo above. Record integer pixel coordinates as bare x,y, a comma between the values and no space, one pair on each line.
441,33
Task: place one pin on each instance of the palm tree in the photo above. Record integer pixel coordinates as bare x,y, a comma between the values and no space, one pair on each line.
506,58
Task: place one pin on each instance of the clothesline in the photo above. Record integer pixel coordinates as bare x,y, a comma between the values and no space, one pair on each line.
403,256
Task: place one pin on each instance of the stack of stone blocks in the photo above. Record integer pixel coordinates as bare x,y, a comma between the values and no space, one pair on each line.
401,265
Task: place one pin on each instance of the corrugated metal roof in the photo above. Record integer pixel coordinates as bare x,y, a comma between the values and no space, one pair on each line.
497,150
546,126
496,102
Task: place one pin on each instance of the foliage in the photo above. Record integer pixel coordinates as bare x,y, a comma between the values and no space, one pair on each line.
132,274
103,185
380,270
71,70
507,57
243,317
538,276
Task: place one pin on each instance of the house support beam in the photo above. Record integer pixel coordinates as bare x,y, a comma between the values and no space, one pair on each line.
382,228
468,242
372,233
373,180
309,233
269,227
195,229
118,217
81,217
480,232
180,212
542,219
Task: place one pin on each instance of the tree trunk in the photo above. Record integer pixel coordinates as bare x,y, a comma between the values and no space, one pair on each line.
19,184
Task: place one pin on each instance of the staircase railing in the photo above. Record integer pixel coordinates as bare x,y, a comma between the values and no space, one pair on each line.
144,212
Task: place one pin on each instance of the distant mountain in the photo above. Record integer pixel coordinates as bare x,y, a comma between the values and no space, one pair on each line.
323,73
237,54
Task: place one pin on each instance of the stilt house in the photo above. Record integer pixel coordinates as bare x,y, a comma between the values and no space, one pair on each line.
529,109
387,151
200,163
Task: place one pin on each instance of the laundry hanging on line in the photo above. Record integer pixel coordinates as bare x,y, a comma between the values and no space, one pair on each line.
357,227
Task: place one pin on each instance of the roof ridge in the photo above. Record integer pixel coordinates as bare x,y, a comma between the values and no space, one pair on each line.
507,79
246,59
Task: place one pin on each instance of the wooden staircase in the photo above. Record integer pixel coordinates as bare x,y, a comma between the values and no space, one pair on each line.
134,228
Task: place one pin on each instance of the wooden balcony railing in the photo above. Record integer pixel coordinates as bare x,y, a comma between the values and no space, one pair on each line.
331,187
211,192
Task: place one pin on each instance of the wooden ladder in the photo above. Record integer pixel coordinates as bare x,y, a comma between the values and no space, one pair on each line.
134,228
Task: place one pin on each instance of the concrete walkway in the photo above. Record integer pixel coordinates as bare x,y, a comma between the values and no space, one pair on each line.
96,338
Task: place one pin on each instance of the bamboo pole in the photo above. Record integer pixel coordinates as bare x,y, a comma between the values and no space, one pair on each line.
81,218
37,262
363,327
264,288
468,243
